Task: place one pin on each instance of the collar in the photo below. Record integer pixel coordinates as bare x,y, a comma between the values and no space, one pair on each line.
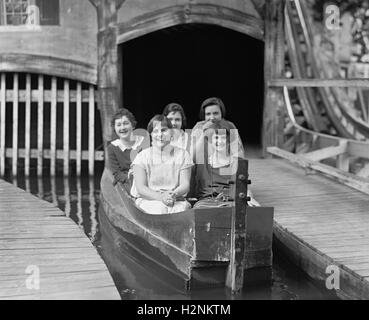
118,143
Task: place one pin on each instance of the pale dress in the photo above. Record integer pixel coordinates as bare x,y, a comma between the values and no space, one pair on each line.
163,174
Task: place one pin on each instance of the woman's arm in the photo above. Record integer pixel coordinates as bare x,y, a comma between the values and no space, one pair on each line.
119,174
144,191
184,182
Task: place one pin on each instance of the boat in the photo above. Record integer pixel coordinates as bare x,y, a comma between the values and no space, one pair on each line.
194,246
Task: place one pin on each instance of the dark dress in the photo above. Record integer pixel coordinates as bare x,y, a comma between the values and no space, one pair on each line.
120,159
210,183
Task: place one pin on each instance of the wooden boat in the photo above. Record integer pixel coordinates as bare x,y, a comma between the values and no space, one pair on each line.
193,246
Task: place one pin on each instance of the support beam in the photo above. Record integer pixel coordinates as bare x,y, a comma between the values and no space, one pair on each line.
273,117
109,63
338,175
327,152
316,83
236,266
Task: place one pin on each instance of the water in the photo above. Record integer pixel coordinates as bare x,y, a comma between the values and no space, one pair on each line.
79,199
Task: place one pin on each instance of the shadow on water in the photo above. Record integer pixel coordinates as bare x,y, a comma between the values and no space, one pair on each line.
138,279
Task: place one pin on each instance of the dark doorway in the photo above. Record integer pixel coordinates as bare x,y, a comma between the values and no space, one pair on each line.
189,63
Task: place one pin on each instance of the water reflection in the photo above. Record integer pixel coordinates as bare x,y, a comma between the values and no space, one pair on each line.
75,196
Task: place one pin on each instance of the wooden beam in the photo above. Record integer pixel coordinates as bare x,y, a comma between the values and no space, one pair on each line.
327,152
40,125
200,13
273,118
27,138
349,83
48,95
98,155
109,66
343,162
338,175
15,125
2,122
46,65
238,230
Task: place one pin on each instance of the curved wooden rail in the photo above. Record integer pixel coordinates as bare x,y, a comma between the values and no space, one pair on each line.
346,123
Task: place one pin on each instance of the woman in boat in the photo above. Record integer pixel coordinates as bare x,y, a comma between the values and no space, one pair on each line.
175,113
162,172
211,111
123,150
215,176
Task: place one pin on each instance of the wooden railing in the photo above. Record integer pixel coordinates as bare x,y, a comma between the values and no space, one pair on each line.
80,100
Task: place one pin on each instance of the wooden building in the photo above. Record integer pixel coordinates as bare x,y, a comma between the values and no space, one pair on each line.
64,54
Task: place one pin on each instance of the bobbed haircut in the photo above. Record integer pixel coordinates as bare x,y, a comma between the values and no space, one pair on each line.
159,118
211,102
121,113
176,107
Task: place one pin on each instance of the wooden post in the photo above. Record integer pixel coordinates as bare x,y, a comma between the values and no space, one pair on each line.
2,124
79,129
66,129
109,63
273,68
27,143
238,230
15,125
53,115
40,125
91,131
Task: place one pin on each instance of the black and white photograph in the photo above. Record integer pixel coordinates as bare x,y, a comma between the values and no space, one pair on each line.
184,150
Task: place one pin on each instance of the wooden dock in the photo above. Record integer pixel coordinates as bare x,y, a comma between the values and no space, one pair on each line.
318,222
36,237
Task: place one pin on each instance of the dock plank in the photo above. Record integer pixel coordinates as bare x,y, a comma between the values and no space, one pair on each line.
318,222
35,233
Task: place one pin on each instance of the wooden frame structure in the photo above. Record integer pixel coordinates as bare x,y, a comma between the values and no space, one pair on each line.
307,148
22,100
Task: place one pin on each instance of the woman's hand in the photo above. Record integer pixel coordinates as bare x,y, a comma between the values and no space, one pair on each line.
168,198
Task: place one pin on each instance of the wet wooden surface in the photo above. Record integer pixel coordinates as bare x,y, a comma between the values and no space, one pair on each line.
36,236
318,222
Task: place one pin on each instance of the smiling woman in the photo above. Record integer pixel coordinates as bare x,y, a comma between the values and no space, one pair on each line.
162,172
123,150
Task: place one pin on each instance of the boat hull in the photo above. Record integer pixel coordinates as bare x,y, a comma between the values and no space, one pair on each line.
191,248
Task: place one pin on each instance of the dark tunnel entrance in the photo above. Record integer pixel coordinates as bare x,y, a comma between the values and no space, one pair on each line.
189,63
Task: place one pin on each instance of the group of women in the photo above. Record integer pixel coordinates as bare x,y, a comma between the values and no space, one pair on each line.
162,175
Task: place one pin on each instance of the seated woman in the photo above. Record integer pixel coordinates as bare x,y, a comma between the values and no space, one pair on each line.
211,111
174,112
123,150
216,174
162,172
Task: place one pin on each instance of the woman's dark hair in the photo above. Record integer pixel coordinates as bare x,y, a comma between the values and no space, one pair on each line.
211,102
121,113
159,118
175,107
